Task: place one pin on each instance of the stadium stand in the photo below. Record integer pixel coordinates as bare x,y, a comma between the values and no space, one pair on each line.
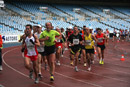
61,16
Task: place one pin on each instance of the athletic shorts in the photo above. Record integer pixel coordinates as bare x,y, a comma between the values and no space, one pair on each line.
89,51
82,47
75,50
58,45
49,50
32,58
42,53
101,46
114,35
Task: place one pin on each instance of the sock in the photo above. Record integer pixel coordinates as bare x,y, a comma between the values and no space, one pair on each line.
51,74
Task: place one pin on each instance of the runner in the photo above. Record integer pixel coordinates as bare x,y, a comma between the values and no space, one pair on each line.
75,40
1,46
102,40
63,41
83,47
30,53
89,47
114,34
129,34
122,35
48,36
41,53
58,46
107,32
70,32
126,35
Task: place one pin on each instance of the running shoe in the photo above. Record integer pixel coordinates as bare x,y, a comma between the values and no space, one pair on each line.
62,56
58,63
79,59
76,69
102,62
72,63
89,69
1,68
85,64
92,62
52,78
31,74
36,80
40,76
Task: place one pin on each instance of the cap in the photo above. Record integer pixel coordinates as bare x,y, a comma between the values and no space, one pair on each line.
38,25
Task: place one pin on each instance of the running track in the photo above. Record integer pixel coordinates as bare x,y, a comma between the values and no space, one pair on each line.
114,73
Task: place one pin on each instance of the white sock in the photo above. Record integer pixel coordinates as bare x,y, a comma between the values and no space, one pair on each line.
100,59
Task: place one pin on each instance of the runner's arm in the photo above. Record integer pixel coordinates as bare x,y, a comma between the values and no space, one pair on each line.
94,38
106,38
37,43
43,37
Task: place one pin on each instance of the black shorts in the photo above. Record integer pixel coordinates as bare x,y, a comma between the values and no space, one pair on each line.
114,35
89,51
82,47
101,46
75,50
49,50
42,53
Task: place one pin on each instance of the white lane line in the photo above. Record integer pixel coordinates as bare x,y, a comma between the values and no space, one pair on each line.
17,70
77,79
97,74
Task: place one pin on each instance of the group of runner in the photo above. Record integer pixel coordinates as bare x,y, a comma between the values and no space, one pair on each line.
48,46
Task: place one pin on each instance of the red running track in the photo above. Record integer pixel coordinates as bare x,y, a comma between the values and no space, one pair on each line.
114,73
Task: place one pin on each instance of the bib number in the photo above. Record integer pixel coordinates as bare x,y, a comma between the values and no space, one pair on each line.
75,41
100,40
88,42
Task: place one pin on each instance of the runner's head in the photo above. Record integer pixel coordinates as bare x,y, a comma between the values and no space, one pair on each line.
49,26
57,29
34,29
62,30
28,29
99,31
87,30
39,28
75,29
84,27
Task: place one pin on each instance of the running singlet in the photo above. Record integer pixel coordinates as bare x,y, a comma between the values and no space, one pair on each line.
100,38
41,47
58,43
89,43
51,36
31,49
75,39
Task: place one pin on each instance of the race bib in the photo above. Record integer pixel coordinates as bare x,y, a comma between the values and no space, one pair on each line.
31,50
100,40
87,42
75,41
